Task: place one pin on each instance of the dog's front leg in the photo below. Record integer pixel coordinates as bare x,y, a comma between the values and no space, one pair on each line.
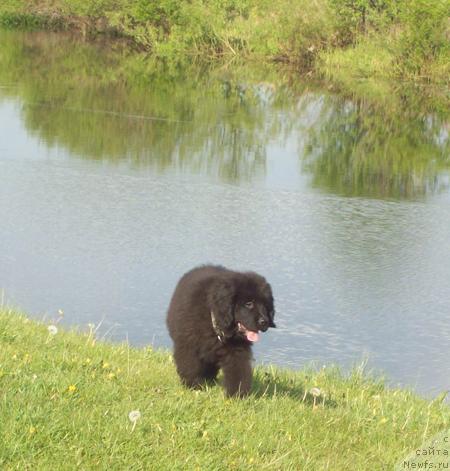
237,371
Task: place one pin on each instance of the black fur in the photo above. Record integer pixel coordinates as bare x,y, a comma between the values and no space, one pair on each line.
206,342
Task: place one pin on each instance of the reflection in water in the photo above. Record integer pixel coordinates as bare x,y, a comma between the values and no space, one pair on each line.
101,103
119,174
358,149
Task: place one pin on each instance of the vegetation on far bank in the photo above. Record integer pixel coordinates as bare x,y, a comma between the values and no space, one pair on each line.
337,38
66,400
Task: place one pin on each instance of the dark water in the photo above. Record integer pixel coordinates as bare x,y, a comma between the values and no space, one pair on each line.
118,175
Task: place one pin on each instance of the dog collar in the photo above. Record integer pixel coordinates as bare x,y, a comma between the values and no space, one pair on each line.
219,333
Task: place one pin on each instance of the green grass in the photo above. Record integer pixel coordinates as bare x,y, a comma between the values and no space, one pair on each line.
24,21
366,60
65,401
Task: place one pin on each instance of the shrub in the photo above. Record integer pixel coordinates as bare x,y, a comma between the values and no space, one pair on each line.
425,33
354,17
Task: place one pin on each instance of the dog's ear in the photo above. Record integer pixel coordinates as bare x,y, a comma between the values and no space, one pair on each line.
220,301
266,291
270,306
271,322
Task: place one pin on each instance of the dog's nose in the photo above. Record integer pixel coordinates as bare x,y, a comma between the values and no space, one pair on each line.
262,323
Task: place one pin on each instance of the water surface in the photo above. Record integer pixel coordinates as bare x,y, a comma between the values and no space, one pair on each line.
118,175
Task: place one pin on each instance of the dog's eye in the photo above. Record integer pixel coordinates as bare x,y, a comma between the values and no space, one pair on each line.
249,305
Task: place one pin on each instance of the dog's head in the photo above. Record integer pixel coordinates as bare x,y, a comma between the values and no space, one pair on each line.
242,305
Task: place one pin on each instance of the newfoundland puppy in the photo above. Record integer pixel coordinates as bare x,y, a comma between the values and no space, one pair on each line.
214,317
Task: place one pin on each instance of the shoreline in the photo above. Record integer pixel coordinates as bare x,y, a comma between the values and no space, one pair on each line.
72,397
318,40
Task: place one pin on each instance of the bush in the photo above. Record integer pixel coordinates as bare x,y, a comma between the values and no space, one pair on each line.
425,34
355,17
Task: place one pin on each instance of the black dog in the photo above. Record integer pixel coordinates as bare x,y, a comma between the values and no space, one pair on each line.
214,317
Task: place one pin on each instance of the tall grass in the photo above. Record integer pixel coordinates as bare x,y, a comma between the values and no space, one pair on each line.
391,39
425,38
66,400
413,34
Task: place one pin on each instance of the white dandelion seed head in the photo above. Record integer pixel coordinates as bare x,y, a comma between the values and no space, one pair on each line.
52,329
134,415
316,392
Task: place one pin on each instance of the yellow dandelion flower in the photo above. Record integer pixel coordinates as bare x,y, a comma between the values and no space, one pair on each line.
32,430
111,375
72,388
105,365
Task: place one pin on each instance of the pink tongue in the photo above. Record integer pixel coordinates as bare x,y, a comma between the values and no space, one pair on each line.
252,336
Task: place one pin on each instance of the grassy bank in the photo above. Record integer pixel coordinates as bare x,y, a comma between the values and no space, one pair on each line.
356,38
66,399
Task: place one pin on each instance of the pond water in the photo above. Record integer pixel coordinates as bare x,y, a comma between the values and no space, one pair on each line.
118,175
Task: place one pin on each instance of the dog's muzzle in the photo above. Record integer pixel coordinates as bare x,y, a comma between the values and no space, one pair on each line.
263,324
250,335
